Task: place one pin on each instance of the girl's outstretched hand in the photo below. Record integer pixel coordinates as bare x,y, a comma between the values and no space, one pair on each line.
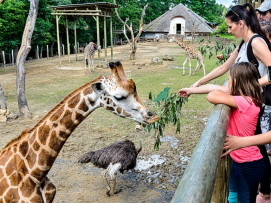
185,92
232,143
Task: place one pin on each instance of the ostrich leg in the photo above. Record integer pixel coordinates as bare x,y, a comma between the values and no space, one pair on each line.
104,178
113,171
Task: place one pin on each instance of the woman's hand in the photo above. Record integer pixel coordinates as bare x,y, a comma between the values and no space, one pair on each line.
185,92
232,143
196,84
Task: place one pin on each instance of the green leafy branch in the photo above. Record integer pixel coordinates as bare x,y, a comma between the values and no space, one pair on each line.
168,108
225,49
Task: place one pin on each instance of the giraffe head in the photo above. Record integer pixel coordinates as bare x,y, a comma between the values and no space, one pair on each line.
118,95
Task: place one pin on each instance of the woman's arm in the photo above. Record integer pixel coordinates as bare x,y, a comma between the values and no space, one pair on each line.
204,89
232,143
219,97
218,71
262,52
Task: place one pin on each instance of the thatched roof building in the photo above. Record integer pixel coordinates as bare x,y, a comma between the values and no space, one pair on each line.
178,20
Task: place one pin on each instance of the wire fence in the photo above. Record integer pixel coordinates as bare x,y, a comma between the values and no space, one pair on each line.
8,57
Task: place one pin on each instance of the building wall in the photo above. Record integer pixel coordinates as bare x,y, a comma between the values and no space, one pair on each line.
173,25
151,34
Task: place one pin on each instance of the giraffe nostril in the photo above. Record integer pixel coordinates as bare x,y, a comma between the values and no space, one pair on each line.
150,114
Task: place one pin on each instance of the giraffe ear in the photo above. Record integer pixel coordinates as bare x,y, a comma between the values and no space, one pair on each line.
98,88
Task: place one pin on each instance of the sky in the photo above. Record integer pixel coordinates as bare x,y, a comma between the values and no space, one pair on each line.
227,3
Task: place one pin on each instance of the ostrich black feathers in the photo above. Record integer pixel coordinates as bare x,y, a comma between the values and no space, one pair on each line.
123,152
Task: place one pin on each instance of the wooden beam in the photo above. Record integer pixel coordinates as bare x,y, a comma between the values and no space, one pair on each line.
198,180
76,14
68,42
98,37
89,11
105,42
111,37
75,38
58,42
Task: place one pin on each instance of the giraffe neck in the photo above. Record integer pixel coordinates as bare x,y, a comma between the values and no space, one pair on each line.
38,147
181,44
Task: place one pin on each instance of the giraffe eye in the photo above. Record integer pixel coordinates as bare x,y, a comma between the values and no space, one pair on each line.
119,98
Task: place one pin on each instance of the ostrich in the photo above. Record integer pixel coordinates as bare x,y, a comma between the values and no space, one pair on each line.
119,156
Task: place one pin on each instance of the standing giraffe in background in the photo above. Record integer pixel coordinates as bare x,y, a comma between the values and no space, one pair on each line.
191,53
89,53
26,160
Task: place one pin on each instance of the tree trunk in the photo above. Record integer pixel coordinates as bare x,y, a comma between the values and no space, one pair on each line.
134,48
23,52
2,99
52,49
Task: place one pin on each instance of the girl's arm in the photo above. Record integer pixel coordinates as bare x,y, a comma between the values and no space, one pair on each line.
219,70
233,143
262,52
204,89
219,97
264,80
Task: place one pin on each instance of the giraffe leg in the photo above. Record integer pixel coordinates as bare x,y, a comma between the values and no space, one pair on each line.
203,66
196,67
113,171
104,178
93,61
183,65
48,190
89,63
189,66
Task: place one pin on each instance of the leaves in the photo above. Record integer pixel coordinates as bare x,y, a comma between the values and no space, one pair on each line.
169,111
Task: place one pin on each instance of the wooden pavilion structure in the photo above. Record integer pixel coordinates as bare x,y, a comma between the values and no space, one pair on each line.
96,10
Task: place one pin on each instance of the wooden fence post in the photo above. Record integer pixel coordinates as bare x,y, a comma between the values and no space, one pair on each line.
3,104
12,55
63,49
37,52
4,59
47,52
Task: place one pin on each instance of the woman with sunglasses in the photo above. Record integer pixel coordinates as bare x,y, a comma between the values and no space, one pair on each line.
243,23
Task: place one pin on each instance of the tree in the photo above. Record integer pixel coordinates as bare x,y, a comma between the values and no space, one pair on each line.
134,39
23,52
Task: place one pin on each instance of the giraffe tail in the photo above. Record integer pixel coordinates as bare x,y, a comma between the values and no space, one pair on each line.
85,158
86,62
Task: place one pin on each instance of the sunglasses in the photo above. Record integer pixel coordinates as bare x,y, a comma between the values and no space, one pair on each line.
230,9
263,13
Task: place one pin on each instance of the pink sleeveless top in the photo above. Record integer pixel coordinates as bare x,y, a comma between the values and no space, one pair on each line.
243,122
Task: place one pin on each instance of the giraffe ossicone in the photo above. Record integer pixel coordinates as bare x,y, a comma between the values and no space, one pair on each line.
191,53
26,160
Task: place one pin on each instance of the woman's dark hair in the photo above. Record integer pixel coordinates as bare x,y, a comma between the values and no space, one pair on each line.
247,14
245,82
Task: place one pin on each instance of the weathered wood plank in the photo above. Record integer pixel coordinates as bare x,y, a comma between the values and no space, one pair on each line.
198,181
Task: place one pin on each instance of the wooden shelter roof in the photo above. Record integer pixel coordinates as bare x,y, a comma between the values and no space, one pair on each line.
90,6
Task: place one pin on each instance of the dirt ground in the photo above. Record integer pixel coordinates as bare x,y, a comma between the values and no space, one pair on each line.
83,183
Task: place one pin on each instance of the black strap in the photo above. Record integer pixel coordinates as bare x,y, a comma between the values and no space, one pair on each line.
252,59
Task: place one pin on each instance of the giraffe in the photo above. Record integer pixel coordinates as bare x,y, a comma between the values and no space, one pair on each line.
89,53
191,53
26,160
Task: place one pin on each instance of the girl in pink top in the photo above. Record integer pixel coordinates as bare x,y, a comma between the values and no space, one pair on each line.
243,95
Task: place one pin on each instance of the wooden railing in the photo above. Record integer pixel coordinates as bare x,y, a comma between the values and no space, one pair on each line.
206,170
